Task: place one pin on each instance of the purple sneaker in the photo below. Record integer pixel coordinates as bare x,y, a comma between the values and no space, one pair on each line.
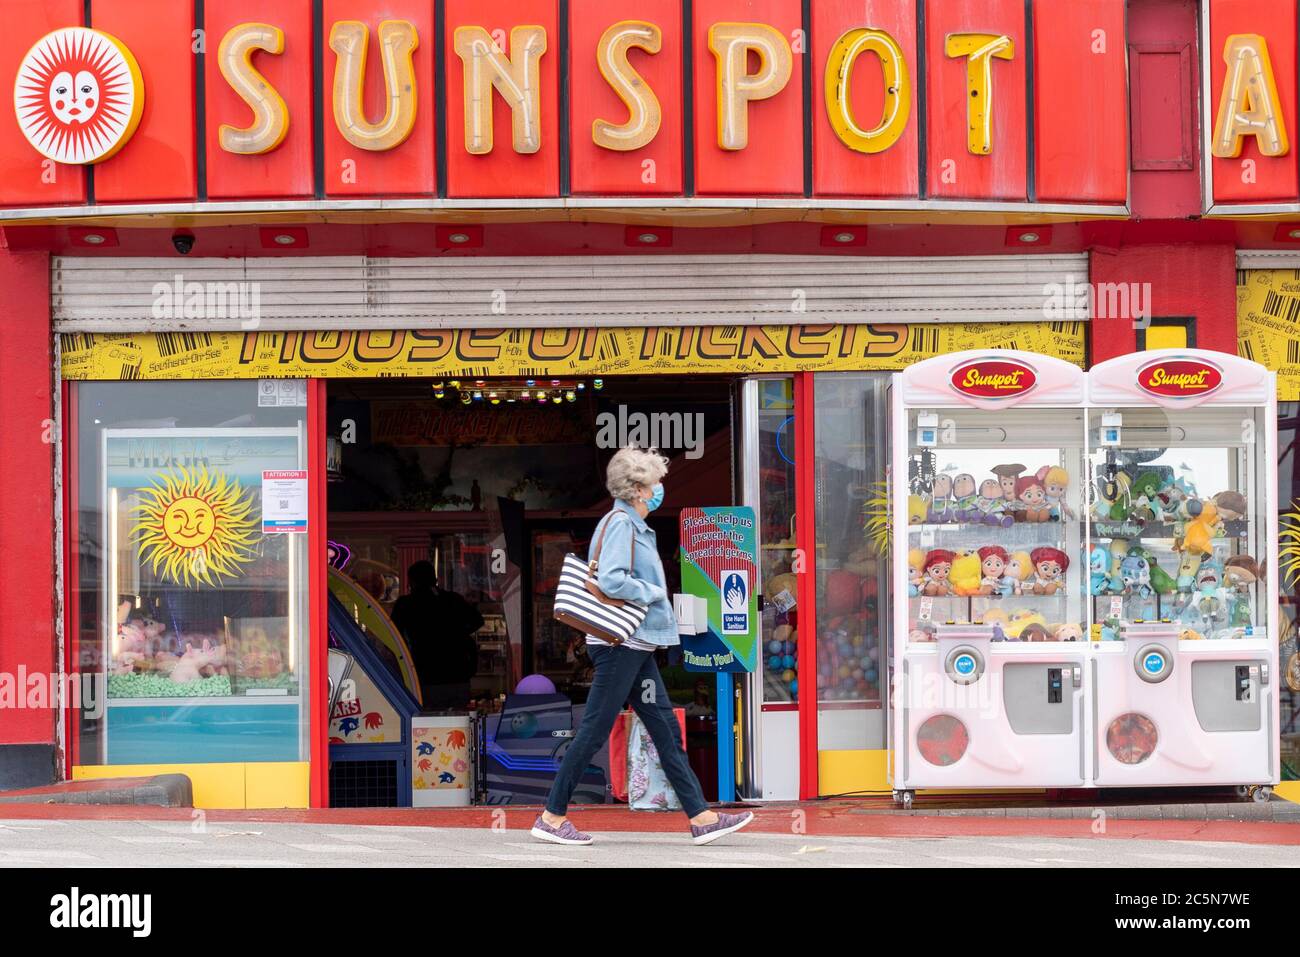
566,833
725,824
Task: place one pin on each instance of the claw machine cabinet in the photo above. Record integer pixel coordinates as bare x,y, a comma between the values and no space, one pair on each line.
990,661
1183,570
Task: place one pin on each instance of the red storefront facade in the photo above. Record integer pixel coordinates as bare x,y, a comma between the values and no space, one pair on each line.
1025,131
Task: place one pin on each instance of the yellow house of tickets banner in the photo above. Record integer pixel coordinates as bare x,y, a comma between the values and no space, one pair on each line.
461,353
1268,324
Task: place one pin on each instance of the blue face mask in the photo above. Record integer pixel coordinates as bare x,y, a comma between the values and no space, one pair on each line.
656,497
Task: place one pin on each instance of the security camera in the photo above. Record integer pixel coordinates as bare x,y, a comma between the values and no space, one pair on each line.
183,243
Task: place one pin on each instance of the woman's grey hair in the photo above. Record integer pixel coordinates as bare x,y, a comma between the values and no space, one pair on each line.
631,468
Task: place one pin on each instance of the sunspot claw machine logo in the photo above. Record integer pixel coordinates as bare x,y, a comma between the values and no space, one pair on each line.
78,95
1180,378
993,378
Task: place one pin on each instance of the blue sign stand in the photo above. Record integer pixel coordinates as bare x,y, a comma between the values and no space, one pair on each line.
726,738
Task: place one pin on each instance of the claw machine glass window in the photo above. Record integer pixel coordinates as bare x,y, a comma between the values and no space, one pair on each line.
995,523
1177,520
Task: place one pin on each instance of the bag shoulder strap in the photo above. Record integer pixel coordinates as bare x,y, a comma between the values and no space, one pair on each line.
600,542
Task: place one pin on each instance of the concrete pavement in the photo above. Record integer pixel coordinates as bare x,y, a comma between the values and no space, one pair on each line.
204,843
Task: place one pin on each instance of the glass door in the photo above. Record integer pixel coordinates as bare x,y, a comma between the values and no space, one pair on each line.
770,755
852,561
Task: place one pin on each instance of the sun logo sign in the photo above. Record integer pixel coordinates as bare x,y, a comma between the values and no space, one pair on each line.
195,527
78,96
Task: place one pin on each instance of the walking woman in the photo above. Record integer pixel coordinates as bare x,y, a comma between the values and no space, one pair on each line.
627,673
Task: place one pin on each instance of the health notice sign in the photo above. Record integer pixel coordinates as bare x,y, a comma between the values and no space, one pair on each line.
284,501
719,564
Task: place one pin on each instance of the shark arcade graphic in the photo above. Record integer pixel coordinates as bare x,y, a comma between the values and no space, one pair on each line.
719,564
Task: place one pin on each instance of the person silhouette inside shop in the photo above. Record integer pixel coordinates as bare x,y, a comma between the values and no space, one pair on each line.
439,625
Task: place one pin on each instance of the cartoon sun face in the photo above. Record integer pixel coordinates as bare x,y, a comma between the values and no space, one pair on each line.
195,527
189,522
78,96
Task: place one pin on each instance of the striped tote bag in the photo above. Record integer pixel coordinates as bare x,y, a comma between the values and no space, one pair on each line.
579,602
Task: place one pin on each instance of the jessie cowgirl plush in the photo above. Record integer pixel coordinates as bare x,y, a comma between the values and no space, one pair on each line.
1033,498
1050,564
938,563
993,563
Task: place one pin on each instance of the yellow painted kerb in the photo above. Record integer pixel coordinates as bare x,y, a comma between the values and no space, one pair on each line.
269,785
852,772
1290,790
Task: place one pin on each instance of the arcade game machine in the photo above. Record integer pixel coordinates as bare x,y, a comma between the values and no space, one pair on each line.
383,753
521,747
988,648
1183,571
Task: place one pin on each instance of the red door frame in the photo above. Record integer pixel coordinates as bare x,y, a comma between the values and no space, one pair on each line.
805,498
317,596
71,579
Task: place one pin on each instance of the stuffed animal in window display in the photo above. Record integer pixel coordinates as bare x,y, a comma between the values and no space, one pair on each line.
1033,499
966,573
1161,582
1207,610
1019,567
915,572
1113,499
1135,572
1119,549
1189,563
1068,631
191,664
1200,532
965,496
1007,476
1240,573
992,506
1056,482
1144,497
1231,506
141,644
1050,566
993,564
1098,570
941,507
1180,502
935,572
1022,621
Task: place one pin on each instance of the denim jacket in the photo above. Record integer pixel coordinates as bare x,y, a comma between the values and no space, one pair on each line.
644,582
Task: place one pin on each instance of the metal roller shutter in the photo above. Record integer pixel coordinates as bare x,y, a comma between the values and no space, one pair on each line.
140,295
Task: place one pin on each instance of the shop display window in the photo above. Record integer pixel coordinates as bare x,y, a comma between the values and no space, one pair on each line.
192,579
996,524
1177,531
780,614
852,560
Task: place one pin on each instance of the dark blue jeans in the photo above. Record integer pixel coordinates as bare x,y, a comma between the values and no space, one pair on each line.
623,675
